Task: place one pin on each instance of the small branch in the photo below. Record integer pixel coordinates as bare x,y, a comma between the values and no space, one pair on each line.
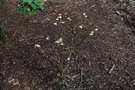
112,68
81,78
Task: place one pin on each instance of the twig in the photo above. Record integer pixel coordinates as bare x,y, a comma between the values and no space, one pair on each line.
70,54
112,68
81,78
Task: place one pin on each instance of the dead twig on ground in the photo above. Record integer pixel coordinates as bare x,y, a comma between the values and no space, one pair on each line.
81,78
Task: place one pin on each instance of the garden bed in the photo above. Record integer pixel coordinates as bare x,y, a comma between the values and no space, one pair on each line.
71,45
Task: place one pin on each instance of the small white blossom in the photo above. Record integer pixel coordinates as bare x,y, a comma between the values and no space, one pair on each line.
55,24
69,19
47,38
91,33
68,58
63,22
60,17
59,41
57,19
81,26
37,46
84,14
96,29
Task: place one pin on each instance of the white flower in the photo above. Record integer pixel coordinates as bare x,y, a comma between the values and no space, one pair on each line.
55,24
63,22
47,38
37,46
69,19
68,58
57,19
81,26
60,17
59,41
91,33
84,14
96,29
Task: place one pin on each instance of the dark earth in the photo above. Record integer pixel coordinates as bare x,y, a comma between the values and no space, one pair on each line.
71,45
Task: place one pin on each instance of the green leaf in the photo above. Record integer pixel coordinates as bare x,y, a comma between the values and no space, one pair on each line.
27,1
32,13
24,10
61,82
34,6
39,4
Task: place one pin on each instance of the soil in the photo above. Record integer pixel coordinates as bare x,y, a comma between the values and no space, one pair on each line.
71,45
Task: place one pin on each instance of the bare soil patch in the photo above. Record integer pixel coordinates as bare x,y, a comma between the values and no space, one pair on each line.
71,45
